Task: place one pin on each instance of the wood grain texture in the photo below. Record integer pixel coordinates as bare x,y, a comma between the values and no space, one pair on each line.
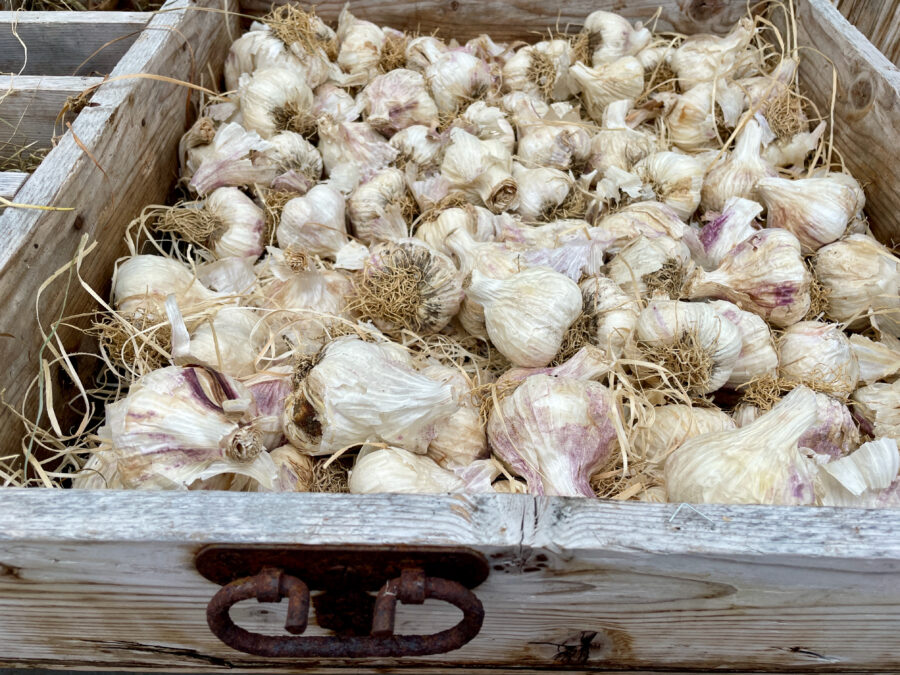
10,182
106,578
867,106
58,42
523,19
878,21
30,106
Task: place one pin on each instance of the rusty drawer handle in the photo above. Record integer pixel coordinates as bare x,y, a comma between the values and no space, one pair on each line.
412,587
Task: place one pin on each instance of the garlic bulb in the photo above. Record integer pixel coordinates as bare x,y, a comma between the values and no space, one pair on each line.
233,276
396,100
419,145
360,47
541,190
269,389
335,103
552,141
755,464
527,314
866,478
229,343
423,51
817,210
235,158
487,123
295,470
276,99
650,219
692,121
877,360
732,226
360,392
676,180
600,86
764,274
437,233
614,311
555,432
818,355
460,439
314,223
236,225
480,169
588,363
738,174
398,470
353,146
540,70
879,405
143,282
861,280
670,426
178,425
704,345
298,165
256,49
757,357
611,37
650,267
408,286
617,144
455,77
834,433
704,58
376,208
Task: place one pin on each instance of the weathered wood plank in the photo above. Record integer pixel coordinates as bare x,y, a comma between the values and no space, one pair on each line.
10,182
30,106
878,21
58,42
522,19
106,578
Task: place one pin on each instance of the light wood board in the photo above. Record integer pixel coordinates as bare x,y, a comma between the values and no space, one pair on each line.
10,182
878,21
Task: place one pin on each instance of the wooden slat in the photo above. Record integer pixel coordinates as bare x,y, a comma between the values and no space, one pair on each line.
106,579
867,107
522,19
10,182
29,107
58,42
878,21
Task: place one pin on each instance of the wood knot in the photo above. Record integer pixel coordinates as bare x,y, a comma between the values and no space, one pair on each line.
454,5
861,93
703,10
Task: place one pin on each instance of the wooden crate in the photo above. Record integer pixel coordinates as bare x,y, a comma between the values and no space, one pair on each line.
106,579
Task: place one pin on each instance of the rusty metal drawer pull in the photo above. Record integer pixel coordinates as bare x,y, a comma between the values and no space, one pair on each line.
412,588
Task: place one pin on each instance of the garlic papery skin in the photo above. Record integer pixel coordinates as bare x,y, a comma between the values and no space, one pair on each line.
408,286
600,86
230,342
676,180
314,223
335,103
423,51
647,266
732,226
861,478
658,436
861,279
256,49
376,208
757,357
615,311
540,190
460,439
877,360
353,146
611,37
233,276
764,274
527,315
269,389
588,363
175,427
756,464
398,470
555,432
481,169
559,143
650,219
360,392
791,153
879,405
817,210
692,121
295,470
819,356
488,123
298,165
738,174
708,344
143,282
195,146
705,58
236,157
396,100
616,144
455,77
360,47
241,224
834,433
276,99
419,145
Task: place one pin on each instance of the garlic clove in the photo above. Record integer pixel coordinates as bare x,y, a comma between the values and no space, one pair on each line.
460,439
691,122
657,266
236,157
397,470
834,433
757,358
737,175
613,81
877,360
879,405
819,356
242,224
611,37
256,49
379,207
314,223
276,99
233,276
488,124
617,144
676,180
298,164
457,76
481,169
396,100
732,226
552,141
667,429
295,470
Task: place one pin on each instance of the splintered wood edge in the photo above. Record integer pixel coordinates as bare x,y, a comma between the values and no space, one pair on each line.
879,22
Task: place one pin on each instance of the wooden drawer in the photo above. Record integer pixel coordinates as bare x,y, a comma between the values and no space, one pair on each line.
106,579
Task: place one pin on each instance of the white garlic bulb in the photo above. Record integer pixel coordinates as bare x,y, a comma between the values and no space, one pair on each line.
757,357
229,342
834,433
600,86
419,145
659,435
540,190
298,164
143,282
651,266
877,360
423,51
335,103
481,169
616,313
588,363
879,405
239,224
817,210
487,123
705,58
540,70
314,223
396,100
233,276
236,157
276,99
269,389
611,37
689,327
437,233
360,392
460,439
178,425
756,464
732,226
676,180
256,49
617,144
650,219
360,47
861,280
552,140
455,77
398,470
737,175
692,120
527,314
866,478
818,355
376,207
764,274
295,470
353,146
